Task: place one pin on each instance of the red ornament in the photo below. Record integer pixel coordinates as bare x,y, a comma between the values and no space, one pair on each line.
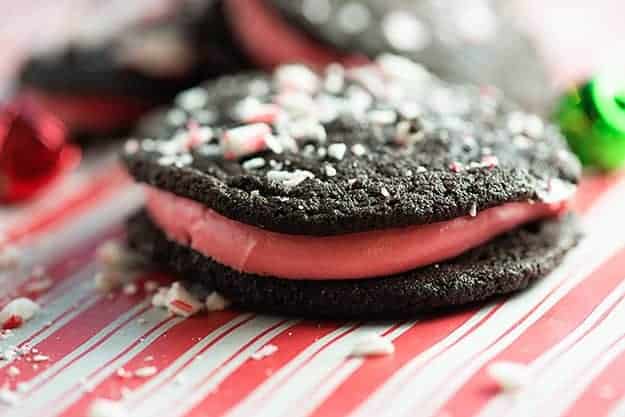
33,150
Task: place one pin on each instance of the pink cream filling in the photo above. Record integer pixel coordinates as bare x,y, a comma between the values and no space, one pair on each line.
352,256
271,41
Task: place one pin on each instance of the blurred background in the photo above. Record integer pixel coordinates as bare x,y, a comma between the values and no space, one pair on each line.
576,36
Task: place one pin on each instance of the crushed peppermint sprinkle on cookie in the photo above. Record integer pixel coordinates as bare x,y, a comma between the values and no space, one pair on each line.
254,163
297,77
330,171
245,140
216,302
490,161
358,149
337,151
289,180
455,166
192,99
265,351
473,210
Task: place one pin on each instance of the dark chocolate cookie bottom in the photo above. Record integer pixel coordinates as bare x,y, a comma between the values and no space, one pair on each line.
507,264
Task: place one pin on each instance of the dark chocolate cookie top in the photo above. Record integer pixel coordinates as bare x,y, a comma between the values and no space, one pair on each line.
346,151
479,41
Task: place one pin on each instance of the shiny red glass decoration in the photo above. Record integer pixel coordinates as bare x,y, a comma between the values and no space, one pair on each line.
33,150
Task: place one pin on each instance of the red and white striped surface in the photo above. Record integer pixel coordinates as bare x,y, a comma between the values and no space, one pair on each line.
567,329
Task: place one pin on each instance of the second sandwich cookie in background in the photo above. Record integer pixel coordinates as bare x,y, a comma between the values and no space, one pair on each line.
377,191
101,84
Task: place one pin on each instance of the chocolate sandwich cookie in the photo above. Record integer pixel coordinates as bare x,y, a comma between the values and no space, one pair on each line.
477,41
100,87
301,188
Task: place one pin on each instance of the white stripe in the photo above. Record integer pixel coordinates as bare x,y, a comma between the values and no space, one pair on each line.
312,400
194,382
542,397
294,381
73,367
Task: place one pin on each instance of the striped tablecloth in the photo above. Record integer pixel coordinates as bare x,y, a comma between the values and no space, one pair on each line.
569,329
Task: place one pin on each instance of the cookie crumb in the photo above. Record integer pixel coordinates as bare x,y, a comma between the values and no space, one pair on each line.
146,371
107,408
216,302
509,376
17,312
372,345
337,151
265,351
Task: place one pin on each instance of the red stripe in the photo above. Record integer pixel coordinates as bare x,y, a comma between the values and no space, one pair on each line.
165,350
291,342
551,328
95,190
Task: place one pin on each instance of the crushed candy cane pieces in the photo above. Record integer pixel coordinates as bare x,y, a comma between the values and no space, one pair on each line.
216,302
177,300
373,345
509,376
146,371
289,179
245,140
107,408
265,351
17,312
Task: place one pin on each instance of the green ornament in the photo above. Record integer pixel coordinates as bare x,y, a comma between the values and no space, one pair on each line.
592,117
